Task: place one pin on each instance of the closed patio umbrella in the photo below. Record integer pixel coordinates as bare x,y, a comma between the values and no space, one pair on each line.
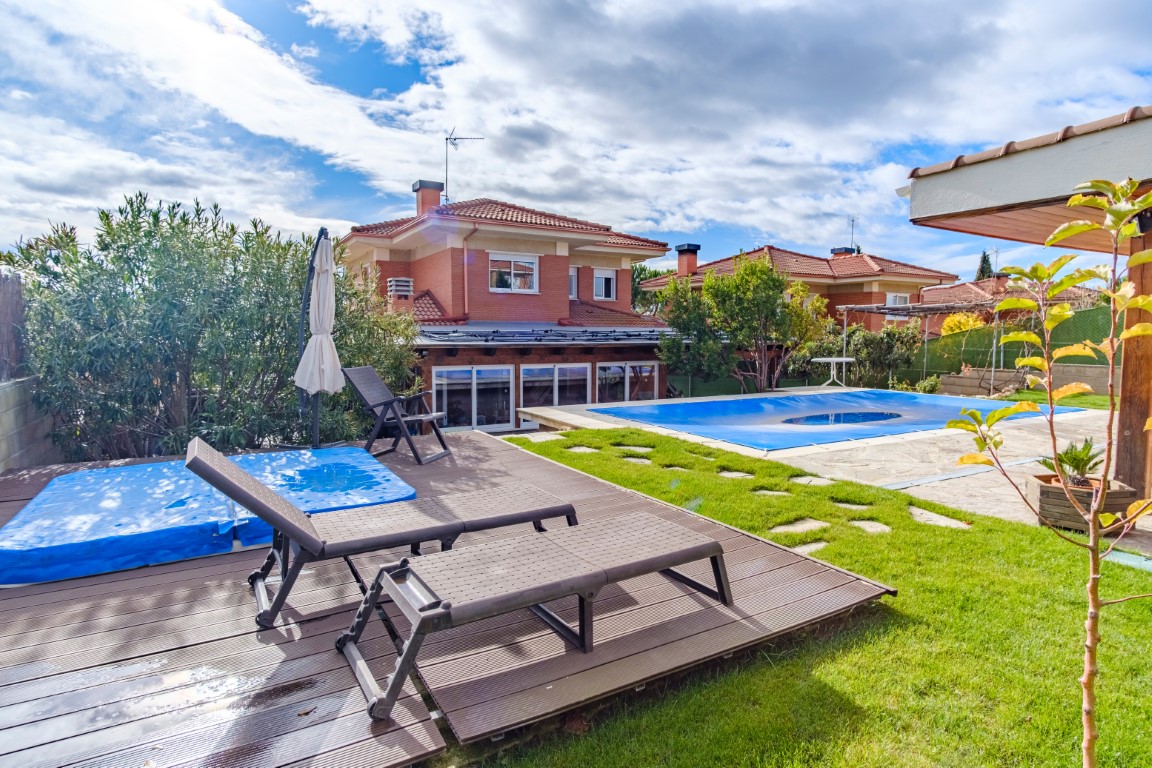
319,368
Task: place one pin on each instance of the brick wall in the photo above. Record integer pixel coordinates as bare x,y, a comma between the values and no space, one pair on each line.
24,440
549,304
443,274
586,286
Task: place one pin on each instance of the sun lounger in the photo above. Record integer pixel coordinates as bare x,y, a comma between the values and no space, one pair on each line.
299,538
398,413
449,589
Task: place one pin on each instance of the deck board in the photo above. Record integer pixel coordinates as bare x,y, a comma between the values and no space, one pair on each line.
163,664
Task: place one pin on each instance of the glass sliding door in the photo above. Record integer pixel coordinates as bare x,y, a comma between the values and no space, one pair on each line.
616,382
573,384
547,385
474,397
493,393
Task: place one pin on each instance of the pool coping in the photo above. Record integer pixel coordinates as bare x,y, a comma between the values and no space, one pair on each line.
564,417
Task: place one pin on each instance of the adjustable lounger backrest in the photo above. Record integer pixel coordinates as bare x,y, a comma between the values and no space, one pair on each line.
368,385
253,495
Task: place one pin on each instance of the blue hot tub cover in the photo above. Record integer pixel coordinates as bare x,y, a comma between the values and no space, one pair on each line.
103,520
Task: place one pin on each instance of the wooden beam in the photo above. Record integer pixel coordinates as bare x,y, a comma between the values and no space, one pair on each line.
1133,457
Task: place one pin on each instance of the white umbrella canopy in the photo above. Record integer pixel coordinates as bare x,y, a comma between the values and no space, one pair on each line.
319,368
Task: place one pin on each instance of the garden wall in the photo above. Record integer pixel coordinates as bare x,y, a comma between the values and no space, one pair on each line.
977,381
24,440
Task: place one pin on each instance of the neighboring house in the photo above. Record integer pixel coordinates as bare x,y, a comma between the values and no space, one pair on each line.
847,278
517,307
982,296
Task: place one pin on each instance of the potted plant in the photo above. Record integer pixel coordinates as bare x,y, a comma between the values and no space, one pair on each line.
1078,463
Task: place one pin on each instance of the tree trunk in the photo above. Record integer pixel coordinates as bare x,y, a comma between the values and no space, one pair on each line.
1091,642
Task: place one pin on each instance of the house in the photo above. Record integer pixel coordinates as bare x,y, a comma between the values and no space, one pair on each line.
517,307
847,278
982,296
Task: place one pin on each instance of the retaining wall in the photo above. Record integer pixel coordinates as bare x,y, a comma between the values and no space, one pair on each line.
977,381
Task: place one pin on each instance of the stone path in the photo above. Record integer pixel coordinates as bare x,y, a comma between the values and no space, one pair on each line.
800,526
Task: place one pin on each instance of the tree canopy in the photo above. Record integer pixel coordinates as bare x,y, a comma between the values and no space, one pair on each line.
176,323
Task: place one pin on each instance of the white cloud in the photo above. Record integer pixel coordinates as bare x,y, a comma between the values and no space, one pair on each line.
781,117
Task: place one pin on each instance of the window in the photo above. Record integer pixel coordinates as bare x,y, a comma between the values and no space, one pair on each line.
616,382
898,300
508,273
604,285
573,277
474,397
545,385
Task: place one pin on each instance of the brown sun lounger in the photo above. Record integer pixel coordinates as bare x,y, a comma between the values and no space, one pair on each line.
449,589
397,413
299,538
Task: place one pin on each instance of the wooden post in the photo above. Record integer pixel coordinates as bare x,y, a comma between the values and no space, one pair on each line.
1133,457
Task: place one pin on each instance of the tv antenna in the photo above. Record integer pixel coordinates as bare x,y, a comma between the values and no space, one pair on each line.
852,232
454,141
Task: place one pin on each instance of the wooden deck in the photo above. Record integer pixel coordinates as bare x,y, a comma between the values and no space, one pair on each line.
163,664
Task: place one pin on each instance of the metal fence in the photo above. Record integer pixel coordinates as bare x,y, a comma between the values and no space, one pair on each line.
11,326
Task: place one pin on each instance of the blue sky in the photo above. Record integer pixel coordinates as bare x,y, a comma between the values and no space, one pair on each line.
731,124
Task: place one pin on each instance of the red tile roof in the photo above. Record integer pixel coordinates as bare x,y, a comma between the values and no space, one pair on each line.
428,310
801,266
485,209
994,289
1135,113
583,313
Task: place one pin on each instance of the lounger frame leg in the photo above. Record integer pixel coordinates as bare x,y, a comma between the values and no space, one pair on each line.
267,613
723,590
580,637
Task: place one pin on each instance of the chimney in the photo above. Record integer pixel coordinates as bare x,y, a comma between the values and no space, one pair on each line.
839,252
427,195
686,259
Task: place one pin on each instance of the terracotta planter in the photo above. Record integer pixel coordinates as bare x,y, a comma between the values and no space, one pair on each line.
1046,494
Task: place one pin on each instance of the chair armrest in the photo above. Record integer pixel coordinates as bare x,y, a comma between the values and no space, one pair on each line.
418,397
389,401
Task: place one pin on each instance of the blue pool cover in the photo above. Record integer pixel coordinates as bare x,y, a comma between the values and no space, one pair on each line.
791,421
103,520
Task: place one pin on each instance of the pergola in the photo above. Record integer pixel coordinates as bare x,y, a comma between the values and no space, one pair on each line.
904,311
1019,192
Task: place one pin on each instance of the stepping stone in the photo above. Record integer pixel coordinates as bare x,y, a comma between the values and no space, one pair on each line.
734,474
763,492
676,468
637,460
800,526
931,518
543,437
811,480
846,505
582,449
705,458
870,526
807,549
637,448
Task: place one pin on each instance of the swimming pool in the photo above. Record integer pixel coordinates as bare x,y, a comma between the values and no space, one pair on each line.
791,421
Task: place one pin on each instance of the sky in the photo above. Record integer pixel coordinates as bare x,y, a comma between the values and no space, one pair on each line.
731,124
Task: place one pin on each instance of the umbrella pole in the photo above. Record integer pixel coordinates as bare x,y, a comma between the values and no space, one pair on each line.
316,420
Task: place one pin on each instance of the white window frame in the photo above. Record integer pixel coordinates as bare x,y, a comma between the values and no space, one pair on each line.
628,378
524,258
893,300
503,427
573,283
588,382
597,274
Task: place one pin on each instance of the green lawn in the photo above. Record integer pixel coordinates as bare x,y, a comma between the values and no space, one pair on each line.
974,663
1099,402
